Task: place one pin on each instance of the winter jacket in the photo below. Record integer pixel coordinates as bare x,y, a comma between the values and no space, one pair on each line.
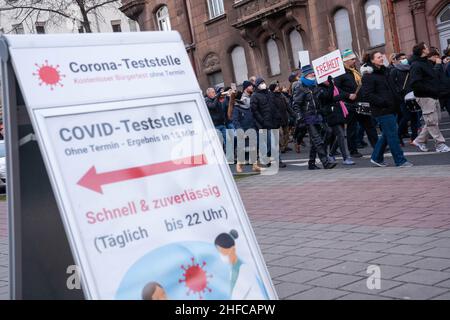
347,85
400,81
428,80
282,105
377,91
331,109
215,110
265,113
306,103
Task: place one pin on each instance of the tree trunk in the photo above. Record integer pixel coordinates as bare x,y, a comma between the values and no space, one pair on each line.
86,23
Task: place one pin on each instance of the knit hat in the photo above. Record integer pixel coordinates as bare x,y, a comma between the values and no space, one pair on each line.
293,77
246,84
348,54
307,70
259,81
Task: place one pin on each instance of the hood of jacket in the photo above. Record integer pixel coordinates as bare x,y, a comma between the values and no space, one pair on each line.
366,69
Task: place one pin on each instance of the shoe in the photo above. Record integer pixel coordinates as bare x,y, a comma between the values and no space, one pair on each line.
348,162
256,168
356,154
406,165
442,148
281,164
297,148
312,166
239,168
422,146
332,159
329,165
379,164
288,149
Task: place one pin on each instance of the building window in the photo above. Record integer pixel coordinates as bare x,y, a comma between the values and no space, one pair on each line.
215,8
40,27
18,29
163,19
133,25
343,29
445,15
115,24
216,79
274,57
375,22
296,45
239,64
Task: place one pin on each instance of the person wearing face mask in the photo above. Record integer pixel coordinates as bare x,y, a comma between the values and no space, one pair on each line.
378,92
399,79
244,284
430,84
266,114
306,104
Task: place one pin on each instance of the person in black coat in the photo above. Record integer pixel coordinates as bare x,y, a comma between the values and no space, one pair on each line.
429,84
265,113
306,103
214,104
349,85
400,81
378,92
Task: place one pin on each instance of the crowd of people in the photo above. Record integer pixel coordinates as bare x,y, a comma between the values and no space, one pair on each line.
389,100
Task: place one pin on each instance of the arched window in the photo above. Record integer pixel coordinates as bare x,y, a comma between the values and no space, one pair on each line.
239,64
375,22
163,19
445,15
343,29
274,57
296,44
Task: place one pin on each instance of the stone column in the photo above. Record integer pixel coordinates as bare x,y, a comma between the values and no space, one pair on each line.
420,20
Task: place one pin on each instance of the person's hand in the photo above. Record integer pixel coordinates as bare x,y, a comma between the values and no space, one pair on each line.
352,97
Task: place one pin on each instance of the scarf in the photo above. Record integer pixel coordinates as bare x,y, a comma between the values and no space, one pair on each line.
357,75
308,82
343,107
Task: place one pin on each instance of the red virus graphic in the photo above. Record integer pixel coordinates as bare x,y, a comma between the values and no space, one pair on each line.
49,75
196,278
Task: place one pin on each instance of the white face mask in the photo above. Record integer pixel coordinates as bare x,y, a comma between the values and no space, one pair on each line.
225,259
404,61
262,86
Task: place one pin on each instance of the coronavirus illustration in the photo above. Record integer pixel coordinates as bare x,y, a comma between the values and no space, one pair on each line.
195,278
49,75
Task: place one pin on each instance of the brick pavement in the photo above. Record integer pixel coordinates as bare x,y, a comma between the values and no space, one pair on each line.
320,248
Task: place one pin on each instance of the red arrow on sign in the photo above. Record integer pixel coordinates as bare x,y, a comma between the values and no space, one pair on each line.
94,181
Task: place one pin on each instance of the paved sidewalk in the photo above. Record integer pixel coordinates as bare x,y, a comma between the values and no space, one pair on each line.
330,226
320,230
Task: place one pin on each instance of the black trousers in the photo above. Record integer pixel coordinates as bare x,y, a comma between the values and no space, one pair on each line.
352,130
317,141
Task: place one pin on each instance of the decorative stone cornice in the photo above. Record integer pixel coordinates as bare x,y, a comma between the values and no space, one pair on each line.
416,5
133,8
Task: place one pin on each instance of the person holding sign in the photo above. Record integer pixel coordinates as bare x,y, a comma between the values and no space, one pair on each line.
307,105
376,88
243,283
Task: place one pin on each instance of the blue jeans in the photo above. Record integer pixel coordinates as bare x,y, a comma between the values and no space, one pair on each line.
389,127
221,129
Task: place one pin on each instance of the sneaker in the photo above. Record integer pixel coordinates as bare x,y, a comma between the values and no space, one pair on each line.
256,168
239,168
332,159
356,154
406,165
442,148
422,146
281,164
348,162
379,164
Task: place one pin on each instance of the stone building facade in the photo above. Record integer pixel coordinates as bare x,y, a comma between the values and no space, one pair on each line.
231,40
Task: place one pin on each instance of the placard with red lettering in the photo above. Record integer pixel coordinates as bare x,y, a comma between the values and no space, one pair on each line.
328,65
